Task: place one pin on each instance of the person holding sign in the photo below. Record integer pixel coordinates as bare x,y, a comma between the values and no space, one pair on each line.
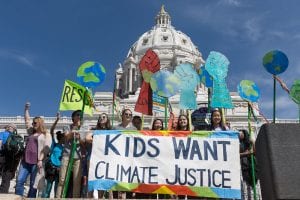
126,121
217,121
137,122
157,125
245,155
126,124
183,123
103,123
70,133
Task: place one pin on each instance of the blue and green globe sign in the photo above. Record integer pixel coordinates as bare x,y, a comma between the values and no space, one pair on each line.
248,91
205,78
275,62
91,74
165,83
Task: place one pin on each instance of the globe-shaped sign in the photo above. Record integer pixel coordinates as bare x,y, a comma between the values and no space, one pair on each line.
205,78
248,91
164,83
295,92
91,74
275,62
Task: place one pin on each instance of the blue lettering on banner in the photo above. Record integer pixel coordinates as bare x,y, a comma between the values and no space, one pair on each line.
224,143
196,177
191,149
109,145
129,174
139,146
155,148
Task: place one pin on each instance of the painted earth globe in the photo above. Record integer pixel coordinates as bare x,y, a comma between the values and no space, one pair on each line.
165,83
248,91
91,74
275,62
205,78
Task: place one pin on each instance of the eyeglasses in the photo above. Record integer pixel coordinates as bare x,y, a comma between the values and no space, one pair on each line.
103,117
128,114
34,123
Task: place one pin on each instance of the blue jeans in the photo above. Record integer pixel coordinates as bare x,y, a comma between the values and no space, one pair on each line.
24,171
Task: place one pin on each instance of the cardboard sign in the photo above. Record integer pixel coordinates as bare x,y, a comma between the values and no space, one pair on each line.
149,64
217,66
72,98
158,103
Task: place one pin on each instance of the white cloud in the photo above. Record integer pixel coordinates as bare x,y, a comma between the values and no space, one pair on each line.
252,29
277,34
297,36
236,3
285,107
25,60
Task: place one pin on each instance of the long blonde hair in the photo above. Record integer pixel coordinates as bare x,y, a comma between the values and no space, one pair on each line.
41,127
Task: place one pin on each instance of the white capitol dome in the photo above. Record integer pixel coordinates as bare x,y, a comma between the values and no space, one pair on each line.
172,47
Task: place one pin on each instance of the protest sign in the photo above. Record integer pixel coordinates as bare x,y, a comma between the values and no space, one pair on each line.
148,65
202,163
72,98
91,74
189,79
248,91
158,103
217,66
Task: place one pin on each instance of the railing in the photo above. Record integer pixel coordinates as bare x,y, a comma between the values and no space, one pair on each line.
20,120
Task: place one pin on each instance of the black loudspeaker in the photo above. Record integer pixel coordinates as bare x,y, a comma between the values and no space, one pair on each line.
278,159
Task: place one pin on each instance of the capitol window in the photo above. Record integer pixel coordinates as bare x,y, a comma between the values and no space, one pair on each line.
165,38
145,41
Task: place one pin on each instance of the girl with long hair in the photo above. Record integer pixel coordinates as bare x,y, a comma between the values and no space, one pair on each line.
183,123
37,147
103,123
157,125
216,121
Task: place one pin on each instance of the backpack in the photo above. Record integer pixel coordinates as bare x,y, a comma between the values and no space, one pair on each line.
14,145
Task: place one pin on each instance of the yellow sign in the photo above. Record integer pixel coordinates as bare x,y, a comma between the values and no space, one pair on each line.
72,98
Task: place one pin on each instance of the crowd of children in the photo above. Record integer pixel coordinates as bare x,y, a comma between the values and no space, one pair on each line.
46,155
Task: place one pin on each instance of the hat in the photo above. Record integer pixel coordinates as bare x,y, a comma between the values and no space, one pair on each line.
12,125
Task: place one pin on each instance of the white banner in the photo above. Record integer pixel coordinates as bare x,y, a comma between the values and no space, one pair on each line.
208,161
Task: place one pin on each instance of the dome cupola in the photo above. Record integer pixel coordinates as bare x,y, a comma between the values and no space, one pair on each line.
163,18
172,46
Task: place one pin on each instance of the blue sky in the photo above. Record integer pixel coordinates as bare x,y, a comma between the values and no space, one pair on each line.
42,43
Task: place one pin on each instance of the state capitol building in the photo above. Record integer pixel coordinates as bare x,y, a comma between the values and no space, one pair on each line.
173,47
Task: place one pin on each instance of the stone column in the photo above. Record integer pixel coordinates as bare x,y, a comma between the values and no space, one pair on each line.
130,79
